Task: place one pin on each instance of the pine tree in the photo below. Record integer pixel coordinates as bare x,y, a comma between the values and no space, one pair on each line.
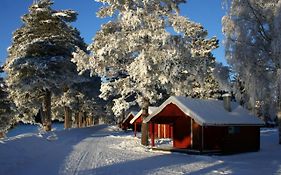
39,62
7,112
148,60
81,99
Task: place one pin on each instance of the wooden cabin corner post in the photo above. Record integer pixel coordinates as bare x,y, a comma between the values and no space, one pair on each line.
202,139
152,135
191,133
165,133
171,131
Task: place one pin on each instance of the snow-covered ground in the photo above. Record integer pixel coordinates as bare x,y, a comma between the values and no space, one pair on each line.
29,128
106,150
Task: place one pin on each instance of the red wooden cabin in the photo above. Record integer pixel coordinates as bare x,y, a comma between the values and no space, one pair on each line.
161,130
206,126
136,122
126,122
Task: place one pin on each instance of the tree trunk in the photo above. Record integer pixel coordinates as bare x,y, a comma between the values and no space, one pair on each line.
76,119
2,134
88,121
279,124
84,120
80,122
42,115
67,117
46,112
91,121
144,126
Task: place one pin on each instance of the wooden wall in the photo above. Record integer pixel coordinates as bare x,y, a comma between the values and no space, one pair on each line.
126,124
232,139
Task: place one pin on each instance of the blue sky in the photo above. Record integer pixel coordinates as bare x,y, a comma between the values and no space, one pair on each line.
206,12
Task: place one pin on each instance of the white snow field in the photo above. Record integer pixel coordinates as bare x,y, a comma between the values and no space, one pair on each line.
104,149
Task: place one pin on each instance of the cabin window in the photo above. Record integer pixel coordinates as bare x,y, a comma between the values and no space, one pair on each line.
233,130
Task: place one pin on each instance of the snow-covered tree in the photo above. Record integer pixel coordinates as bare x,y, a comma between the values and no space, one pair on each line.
202,84
222,74
79,99
82,98
152,50
253,49
7,113
39,61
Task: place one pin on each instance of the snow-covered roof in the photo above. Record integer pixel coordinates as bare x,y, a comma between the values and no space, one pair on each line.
134,113
210,112
151,109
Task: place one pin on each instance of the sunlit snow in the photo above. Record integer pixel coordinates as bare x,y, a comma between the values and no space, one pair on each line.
105,149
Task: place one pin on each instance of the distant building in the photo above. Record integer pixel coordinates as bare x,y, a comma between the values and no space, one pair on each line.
137,120
160,130
126,122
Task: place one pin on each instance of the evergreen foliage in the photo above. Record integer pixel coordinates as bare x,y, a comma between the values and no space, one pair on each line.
7,108
39,63
143,59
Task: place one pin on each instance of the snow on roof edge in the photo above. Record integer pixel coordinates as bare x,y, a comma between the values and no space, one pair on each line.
177,100
174,100
136,117
128,115
151,109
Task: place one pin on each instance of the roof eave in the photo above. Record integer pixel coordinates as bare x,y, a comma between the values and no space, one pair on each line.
231,124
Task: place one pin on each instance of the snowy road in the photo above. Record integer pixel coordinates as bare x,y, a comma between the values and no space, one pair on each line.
122,154
100,150
89,154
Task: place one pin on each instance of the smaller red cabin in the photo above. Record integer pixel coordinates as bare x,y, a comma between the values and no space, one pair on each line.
136,122
126,122
161,130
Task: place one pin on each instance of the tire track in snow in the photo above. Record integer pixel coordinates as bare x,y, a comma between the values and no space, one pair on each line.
96,153
80,162
90,153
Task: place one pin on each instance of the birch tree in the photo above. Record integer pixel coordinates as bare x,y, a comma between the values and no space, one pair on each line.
253,42
152,50
39,61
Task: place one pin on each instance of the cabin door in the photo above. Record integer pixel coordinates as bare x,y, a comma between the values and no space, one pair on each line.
182,132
